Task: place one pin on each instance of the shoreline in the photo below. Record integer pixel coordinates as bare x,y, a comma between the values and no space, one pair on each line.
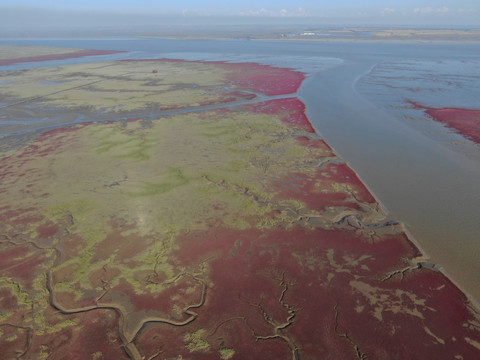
64,56
275,40
465,122
438,267
251,87
294,220
395,134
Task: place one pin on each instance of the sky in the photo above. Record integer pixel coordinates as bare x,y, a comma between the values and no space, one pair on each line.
45,13
280,8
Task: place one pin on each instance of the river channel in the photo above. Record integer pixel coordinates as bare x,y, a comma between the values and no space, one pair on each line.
409,165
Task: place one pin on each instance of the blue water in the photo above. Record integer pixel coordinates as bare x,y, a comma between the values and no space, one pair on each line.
355,95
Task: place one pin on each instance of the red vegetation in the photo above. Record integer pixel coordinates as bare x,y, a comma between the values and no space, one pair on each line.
343,174
99,334
47,135
20,217
290,111
124,246
281,293
317,192
465,121
76,54
10,256
331,280
21,263
47,230
316,144
229,98
265,79
17,342
48,143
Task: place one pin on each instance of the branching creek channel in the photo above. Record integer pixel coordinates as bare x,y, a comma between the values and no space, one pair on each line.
431,188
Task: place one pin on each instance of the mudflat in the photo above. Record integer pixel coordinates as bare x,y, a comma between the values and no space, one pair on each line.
189,210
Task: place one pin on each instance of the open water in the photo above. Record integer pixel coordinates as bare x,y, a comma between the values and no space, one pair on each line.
424,174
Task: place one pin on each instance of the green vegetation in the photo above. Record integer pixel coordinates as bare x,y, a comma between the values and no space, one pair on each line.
123,195
195,342
226,353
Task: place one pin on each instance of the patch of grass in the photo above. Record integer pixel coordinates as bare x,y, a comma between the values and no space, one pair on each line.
195,343
226,353
174,178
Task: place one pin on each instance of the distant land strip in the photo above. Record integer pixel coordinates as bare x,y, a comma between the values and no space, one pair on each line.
72,55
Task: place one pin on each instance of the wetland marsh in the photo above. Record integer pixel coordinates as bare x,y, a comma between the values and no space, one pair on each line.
227,228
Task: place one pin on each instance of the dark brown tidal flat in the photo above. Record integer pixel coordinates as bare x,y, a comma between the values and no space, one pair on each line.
232,233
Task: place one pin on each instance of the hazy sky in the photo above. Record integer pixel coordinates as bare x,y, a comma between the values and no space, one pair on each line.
396,12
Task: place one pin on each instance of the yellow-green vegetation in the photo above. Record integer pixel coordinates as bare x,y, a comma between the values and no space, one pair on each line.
195,342
198,233
181,174
153,180
117,86
108,203
16,52
226,353
26,306
17,304
44,353
20,295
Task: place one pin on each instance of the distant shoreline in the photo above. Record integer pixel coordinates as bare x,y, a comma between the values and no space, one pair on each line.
211,38
60,56
298,33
